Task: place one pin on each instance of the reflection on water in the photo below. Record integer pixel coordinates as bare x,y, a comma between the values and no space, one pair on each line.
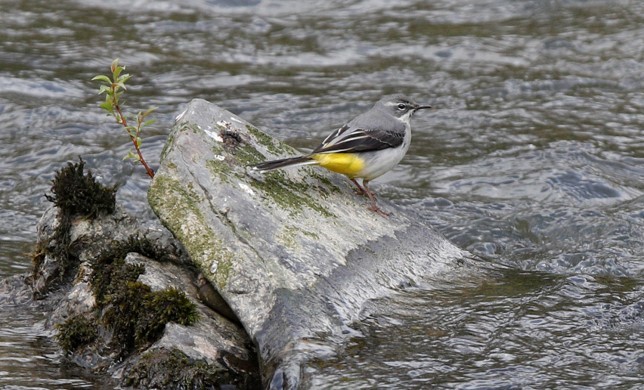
30,359
533,159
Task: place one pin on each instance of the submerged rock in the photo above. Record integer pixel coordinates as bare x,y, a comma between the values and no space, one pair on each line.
295,252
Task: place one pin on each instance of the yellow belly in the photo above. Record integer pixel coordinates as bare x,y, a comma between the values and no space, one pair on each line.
346,163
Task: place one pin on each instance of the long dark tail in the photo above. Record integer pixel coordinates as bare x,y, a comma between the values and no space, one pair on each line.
285,162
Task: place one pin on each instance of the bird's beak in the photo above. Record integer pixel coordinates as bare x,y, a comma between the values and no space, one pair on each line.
419,107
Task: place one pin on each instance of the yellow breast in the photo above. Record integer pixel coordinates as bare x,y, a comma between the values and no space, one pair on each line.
349,164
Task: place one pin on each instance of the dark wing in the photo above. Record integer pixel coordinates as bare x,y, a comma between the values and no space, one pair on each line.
360,140
336,134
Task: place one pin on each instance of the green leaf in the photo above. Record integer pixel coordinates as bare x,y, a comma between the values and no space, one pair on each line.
115,68
103,78
104,89
123,79
148,122
148,111
131,156
107,106
138,142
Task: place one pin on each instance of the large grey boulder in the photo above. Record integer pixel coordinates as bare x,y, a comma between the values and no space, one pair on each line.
294,252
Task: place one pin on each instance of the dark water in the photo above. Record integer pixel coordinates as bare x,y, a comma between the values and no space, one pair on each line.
534,159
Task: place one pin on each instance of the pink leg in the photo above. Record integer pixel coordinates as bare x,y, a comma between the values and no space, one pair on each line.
372,197
360,190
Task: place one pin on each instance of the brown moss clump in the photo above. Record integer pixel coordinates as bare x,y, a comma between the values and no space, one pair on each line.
76,332
75,193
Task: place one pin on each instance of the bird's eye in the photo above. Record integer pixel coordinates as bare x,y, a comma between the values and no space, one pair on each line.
402,106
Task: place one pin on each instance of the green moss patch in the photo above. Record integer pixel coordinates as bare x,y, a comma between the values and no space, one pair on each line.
177,207
328,185
172,369
130,314
134,313
288,194
221,169
248,155
267,141
75,332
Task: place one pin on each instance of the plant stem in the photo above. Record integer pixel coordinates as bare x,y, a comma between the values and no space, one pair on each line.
123,122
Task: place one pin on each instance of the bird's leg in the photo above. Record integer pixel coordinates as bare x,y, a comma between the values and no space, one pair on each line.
360,190
372,197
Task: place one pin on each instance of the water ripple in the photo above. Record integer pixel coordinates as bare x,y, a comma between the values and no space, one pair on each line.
532,158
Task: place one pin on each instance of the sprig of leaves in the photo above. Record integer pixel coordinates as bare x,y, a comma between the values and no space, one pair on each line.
113,88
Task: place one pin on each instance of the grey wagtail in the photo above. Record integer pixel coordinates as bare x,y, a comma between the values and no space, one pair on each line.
367,147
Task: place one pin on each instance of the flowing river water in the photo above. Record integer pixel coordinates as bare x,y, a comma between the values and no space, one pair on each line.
533,159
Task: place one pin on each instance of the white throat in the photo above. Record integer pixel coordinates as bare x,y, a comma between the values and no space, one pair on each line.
406,119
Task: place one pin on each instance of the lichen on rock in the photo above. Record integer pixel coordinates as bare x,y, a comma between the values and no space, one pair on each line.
295,253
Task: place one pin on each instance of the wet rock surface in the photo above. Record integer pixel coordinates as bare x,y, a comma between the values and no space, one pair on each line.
295,253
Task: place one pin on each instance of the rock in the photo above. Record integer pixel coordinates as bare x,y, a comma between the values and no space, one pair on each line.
204,350
210,297
210,349
295,252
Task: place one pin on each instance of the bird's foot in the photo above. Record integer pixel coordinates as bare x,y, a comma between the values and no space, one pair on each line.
378,210
359,189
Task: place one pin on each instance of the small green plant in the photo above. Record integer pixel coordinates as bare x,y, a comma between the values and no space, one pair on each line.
113,88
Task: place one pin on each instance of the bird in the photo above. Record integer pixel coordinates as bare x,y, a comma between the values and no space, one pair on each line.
366,147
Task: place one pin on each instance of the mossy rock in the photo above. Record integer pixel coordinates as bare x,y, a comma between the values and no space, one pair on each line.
76,332
76,194
172,369
135,314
